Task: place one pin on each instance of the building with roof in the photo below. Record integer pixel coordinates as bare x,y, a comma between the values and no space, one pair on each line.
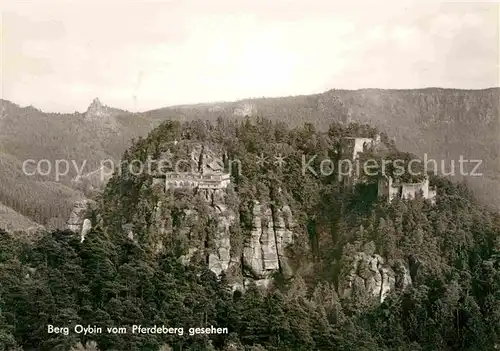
205,180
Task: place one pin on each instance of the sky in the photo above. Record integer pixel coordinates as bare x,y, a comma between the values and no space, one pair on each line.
142,55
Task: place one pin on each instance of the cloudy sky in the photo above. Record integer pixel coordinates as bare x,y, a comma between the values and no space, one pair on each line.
139,55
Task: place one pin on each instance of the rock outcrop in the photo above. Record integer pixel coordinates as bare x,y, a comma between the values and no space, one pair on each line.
86,228
78,221
104,116
214,247
212,231
219,260
370,274
264,251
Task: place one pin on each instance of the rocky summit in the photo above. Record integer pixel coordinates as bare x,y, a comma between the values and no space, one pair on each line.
104,115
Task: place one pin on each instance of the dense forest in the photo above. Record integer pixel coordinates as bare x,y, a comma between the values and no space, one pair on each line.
451,250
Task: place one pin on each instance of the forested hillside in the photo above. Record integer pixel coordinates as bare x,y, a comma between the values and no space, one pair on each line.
362,273
83,139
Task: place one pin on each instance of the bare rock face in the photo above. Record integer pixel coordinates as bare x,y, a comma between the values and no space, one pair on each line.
252,252
86,228
388,282
78,215
186,259
208,157
261,253
264,250
215,248
102,115
92,182
245,109
372,275
220,259
12,221
245,258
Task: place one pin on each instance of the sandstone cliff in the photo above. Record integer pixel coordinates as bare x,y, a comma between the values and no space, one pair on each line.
105,116
370,274
242,258
264,251
210,230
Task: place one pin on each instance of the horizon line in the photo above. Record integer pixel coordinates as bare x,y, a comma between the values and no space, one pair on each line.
251,98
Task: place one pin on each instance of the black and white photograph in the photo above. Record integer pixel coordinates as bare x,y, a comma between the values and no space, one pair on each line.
249,175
